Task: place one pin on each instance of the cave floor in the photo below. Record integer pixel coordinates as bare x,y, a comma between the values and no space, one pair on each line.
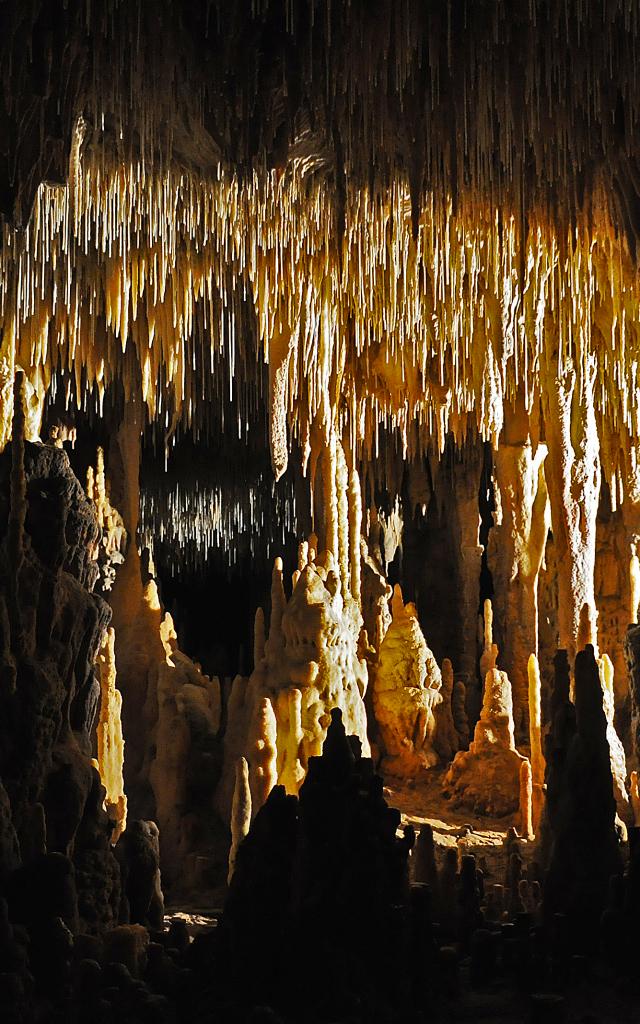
421,802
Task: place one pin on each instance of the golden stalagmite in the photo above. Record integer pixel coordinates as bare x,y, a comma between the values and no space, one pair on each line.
489,656
311,664
263,753
290,770
109,738
486,777
526,800
406,691
240,812
516,549
616,750
535,743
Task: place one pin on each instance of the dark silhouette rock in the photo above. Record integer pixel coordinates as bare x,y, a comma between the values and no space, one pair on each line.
581,809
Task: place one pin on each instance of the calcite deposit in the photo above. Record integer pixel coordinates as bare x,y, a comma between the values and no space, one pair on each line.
164,693
406,692
310,664
109,738
486,777
56,834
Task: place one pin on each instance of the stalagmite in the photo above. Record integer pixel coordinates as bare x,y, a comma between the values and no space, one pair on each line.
109,738
516,548
572,471
240,812
355,533
486,777
446,739
258,637
290,770
458,707
489,656
263,754
535,743
526,800
406,691
616,749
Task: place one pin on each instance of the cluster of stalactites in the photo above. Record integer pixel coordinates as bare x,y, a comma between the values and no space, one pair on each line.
374,327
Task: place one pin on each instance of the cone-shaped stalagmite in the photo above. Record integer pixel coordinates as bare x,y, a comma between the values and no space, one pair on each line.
486,777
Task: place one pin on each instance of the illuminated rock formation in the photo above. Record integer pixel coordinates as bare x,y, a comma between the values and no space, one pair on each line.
165,696
535,743
616,750
311,664
112,544
486,777
109,738
572,472
406,691
240,812
516,548
263,753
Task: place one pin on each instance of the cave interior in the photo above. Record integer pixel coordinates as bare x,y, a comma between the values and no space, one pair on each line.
319,511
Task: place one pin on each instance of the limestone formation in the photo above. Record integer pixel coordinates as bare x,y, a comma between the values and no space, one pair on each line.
165,695
516,548
446,739
263,753
332,852
376,593
406,692
616,750
535,743
581,807
634,797
486,777
312,650
632,658
240,812
526,800
54,831
572,471
109,738
459,711
112,544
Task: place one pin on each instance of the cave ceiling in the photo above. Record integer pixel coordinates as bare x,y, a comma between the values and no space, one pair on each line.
361,219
